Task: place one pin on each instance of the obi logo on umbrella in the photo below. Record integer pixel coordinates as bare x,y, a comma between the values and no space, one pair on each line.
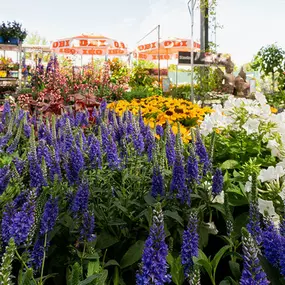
89,45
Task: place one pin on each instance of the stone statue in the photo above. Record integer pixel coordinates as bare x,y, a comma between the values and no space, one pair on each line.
229,78
228,82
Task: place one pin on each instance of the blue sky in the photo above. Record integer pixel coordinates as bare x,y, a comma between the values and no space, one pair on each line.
247,24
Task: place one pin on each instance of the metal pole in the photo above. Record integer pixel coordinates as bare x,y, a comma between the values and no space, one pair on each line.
191,12
20,67
158,52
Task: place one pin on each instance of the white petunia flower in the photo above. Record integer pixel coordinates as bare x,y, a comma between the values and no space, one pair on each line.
267,207
251,126
220,198
271,173
261,98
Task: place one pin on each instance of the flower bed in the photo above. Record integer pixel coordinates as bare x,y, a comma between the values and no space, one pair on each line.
158,110
115,202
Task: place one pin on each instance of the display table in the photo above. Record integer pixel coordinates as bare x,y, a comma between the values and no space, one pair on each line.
8,81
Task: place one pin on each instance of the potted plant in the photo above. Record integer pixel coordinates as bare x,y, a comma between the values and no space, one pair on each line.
12,33
3,66
13,69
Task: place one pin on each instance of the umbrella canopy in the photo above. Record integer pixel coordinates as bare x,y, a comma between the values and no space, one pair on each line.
89,45
168,49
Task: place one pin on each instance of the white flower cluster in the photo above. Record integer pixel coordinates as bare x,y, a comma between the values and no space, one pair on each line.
271,176
252,116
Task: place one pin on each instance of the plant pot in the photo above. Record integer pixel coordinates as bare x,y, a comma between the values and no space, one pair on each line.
3,73
1,40
12,41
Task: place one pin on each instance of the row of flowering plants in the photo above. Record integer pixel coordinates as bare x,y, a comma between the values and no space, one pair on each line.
55,86
117,202
159,110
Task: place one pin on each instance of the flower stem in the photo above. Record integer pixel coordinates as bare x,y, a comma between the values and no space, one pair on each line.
43,263
24,264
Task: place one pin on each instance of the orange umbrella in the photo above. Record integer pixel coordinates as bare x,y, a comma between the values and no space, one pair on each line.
89,45
168,49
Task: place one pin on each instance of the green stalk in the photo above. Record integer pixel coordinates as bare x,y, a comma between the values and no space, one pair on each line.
82,256
43,263
24,264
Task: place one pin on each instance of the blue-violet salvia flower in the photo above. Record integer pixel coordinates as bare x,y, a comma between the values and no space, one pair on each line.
157,187
49,216
178,182
271,241
192,172
202,154
252,272
190,243
282,256
149,142
37,254
22,222
159,130
6,112
154,266
87,228
80,200
218,181
5,176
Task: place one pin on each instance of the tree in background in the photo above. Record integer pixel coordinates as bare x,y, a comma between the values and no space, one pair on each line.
36,39
270,61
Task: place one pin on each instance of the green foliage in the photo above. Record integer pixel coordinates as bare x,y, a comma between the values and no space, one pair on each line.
270,60
176,269
140,75
6,264
36,39
277,100
209,265
141,92
207,80
12,30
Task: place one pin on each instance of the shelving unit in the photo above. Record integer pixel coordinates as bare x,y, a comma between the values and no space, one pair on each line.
12,80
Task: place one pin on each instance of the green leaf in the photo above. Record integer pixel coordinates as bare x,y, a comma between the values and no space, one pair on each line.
100,278
176,269
89,256
229,164
174,215
225,282
103,277
235,269
203,261
219,207
89,279
218,257
105,240
93,267
133,254
75,274
149,199
111,262
239,223
27,277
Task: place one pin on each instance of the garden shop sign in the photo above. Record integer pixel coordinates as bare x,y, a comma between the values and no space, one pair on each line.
166,44
89,46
